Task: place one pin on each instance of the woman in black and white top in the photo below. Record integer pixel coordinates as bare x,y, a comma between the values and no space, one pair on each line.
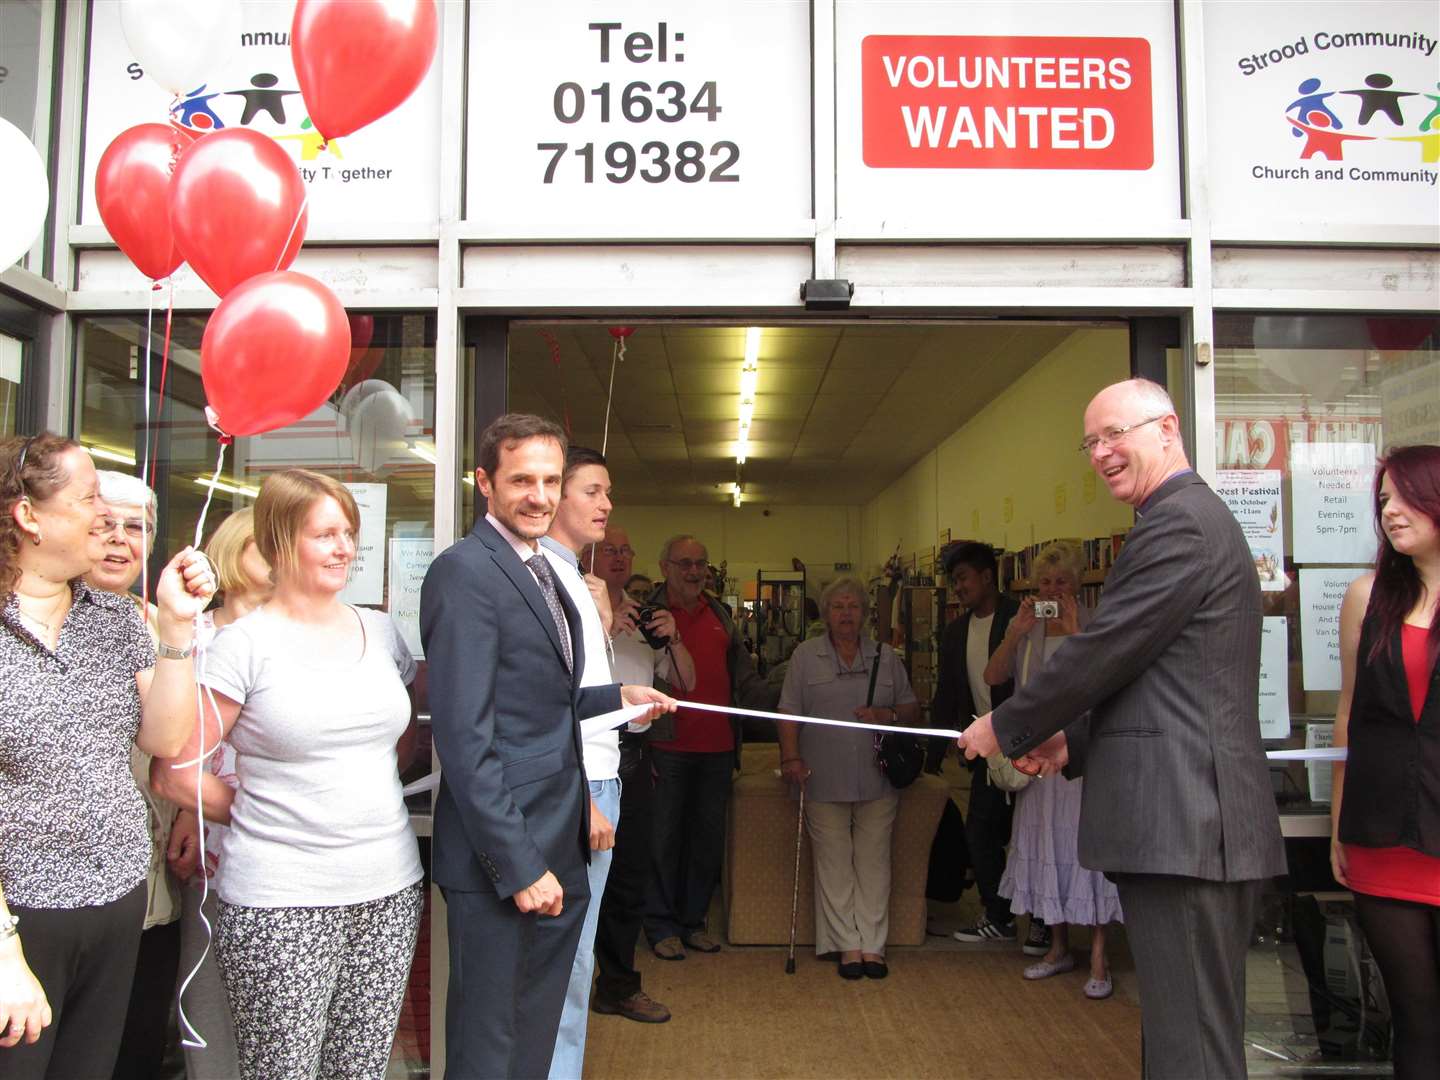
76,663
320,892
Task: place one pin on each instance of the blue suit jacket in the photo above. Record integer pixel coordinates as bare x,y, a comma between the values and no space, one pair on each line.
513,801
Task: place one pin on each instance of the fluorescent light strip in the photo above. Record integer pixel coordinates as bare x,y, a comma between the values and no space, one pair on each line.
233,489
749,382
110,455
424,453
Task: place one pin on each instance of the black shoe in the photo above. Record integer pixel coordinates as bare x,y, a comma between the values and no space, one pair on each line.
875,969
853,970
1037,939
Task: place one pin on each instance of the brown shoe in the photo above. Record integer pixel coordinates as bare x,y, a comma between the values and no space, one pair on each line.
639,1006
700,941
669,948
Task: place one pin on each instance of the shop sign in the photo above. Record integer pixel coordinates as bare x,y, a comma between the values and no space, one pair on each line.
385,172
676,115
1323,114
1249,443
951,111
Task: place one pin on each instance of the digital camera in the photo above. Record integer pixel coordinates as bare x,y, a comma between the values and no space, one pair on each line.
1047,609
642,617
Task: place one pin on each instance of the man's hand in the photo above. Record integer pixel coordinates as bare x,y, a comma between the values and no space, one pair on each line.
602,832
1047,759
643,695
545,897
663,624
625,616
875,714
182,854
795,771
978,740
600,592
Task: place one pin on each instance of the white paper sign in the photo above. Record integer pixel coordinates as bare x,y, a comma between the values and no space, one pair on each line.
1317,737
1410,400
635,112
1331,488
1254,497
1274,677
1322,114
1321,592
384,172
367,572
409,559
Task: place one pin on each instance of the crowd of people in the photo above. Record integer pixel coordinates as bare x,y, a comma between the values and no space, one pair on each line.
233,760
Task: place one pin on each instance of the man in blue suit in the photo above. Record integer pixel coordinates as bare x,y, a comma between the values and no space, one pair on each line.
511,832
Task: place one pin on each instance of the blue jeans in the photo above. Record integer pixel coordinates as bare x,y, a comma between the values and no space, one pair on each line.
570,1041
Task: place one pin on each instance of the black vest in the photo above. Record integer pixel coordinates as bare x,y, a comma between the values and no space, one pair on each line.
1392,774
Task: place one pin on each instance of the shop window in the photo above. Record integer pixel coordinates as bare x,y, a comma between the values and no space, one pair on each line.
1304,404
23,46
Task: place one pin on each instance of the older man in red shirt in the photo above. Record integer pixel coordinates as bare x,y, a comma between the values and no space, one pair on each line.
694,767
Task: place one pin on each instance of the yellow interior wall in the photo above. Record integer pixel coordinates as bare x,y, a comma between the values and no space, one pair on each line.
1012,475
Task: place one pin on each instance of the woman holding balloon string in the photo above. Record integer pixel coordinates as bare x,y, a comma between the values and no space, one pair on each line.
76,663
319,885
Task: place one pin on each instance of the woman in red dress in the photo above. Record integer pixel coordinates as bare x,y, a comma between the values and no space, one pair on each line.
1385,809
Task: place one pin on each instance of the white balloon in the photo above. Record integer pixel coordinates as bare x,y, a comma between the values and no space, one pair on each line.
181,44
24,193
377,417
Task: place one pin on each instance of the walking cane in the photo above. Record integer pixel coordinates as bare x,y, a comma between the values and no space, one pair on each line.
795,894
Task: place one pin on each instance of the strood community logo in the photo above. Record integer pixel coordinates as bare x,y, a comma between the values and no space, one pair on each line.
1334,123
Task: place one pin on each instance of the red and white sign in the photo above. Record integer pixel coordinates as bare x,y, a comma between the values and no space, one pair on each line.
1006,102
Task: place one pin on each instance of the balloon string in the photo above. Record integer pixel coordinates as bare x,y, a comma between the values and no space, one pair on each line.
145,458
617,354
210,494
293,226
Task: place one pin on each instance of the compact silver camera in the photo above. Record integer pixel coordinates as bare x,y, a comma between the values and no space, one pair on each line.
1047,609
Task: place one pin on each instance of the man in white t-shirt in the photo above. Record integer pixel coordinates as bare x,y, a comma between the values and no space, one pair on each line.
622,912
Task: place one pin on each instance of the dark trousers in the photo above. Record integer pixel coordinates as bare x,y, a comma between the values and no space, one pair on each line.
508,976
987,834
85,961
146,1038
1188,937
622,910
691,793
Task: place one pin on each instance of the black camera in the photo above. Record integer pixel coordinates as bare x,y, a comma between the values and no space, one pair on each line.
642,617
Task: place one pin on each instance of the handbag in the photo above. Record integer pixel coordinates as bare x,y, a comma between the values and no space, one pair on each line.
1004,775
899,755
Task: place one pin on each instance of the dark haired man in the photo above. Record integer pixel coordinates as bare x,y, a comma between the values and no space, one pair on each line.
511,833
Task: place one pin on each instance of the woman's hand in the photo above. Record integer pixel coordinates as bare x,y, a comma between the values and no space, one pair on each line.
1338,864
183,853
184,587
1069,620
24,1011
875,714
794,771
1023,620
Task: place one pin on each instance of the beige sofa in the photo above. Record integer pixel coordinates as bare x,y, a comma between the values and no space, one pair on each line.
760,857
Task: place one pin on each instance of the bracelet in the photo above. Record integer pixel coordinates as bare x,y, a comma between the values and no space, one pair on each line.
170,652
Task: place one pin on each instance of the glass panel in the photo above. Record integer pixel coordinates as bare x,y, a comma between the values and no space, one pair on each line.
20,53
12,352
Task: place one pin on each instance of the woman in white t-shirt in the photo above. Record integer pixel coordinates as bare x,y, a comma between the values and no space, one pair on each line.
320,892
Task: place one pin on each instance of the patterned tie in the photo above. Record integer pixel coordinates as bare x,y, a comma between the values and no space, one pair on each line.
541,569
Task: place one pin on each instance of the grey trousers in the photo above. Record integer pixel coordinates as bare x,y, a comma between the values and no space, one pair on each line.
851,845
1189,937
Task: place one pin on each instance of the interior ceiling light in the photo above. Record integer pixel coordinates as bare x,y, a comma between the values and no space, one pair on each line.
111,455
233,489
749,383
737,496
423,452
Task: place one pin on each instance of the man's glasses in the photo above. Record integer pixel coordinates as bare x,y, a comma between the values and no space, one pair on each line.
1111,436
134,527
688,564
610,551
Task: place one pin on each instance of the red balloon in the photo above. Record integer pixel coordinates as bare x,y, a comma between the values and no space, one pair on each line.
273,351
358,59
132,190
363,359
237,207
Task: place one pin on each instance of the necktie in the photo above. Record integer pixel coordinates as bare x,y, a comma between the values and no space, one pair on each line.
541,569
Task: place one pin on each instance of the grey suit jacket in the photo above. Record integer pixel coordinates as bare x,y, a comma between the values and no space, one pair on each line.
1175,775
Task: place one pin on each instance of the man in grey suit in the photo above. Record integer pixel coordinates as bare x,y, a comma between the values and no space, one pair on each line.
1177,807
511,831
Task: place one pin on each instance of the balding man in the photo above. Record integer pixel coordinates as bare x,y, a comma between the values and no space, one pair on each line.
693,769
1177,808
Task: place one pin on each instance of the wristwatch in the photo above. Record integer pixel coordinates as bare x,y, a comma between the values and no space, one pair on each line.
169,652
8,923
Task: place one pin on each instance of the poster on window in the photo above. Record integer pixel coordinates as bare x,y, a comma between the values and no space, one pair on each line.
409,559
1321,593
1323,114
1254,497
1274,677
385,172
1331,486
367,572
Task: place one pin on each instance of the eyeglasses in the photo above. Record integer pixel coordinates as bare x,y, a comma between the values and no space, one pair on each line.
610,551
134,527
688,564
1110,436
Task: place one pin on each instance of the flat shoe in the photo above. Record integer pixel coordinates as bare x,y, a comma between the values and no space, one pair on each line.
1099,989
875,969
1043,969
853,970
669,948
700,941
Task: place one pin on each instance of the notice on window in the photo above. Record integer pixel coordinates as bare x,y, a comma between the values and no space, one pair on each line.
1317,737
1331,485
409,559
1321,592
367,572
1274,677
1254,497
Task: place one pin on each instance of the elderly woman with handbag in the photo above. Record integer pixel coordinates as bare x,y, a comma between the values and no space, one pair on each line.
1043,875
850,804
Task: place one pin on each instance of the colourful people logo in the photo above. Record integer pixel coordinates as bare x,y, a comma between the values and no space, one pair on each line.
1377,107
196,112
